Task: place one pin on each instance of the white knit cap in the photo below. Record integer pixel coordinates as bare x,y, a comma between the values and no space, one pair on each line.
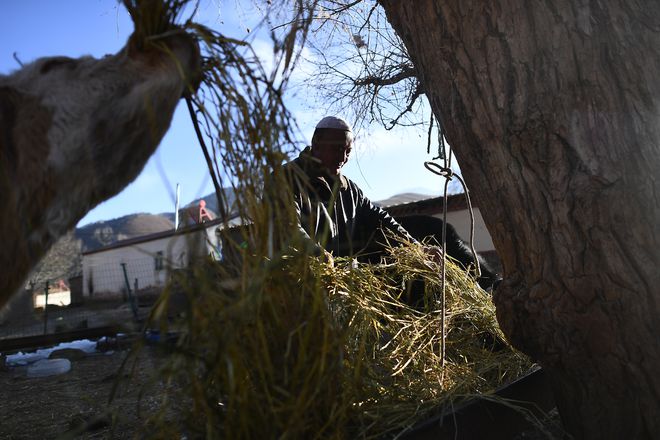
333,122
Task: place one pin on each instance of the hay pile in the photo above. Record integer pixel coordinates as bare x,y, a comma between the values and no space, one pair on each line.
278,343
299,348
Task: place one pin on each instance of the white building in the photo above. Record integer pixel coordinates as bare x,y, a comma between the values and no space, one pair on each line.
145,261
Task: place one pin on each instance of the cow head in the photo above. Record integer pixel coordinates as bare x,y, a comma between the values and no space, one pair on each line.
74,132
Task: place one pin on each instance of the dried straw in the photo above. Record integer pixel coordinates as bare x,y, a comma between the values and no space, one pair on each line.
277,343
304,349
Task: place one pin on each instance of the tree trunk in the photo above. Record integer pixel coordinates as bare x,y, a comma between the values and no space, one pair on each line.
553,111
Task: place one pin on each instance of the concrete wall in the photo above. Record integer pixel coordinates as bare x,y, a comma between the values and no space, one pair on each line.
103,276
461,222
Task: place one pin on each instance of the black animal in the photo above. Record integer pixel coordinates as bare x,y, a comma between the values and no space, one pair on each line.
423,226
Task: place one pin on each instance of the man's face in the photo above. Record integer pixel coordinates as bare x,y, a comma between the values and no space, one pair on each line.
333,150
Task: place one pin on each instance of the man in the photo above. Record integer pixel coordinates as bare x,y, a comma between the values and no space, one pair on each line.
332,210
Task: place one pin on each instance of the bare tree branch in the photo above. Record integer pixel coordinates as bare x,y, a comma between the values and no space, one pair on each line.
406,72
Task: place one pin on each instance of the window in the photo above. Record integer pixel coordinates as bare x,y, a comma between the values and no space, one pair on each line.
158,260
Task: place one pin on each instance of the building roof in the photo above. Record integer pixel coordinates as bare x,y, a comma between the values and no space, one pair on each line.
429,206
400,199
158,235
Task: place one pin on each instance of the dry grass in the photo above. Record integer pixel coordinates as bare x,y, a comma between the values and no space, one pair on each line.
299,348
277,343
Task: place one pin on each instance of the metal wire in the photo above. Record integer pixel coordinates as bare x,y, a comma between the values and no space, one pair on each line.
446,172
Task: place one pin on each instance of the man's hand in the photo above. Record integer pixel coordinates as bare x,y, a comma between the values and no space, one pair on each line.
435,254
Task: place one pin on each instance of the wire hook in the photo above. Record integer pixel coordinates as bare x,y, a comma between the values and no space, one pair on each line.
439,170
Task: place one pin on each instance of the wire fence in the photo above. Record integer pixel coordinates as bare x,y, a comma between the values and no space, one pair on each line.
105,294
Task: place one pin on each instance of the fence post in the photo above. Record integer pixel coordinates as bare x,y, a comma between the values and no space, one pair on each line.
131,298
46,309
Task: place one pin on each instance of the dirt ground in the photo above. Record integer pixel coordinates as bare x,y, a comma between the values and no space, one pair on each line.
50,407
58,406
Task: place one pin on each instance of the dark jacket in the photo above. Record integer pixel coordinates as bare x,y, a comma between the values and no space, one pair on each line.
334,212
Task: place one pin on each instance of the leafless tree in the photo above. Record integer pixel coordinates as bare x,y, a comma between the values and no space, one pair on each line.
552,112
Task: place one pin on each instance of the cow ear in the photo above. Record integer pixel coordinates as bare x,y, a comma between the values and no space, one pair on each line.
8,114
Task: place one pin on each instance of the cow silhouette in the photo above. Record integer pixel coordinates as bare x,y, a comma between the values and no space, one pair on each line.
425,227
75,132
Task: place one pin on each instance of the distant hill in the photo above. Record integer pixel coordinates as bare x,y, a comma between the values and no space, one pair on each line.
106,232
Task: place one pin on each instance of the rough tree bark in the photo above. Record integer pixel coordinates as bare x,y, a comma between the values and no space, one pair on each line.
553,111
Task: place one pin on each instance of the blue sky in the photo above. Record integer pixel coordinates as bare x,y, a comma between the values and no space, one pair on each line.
383,163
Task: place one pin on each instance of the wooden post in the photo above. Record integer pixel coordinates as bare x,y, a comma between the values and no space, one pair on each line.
46,309
131,298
